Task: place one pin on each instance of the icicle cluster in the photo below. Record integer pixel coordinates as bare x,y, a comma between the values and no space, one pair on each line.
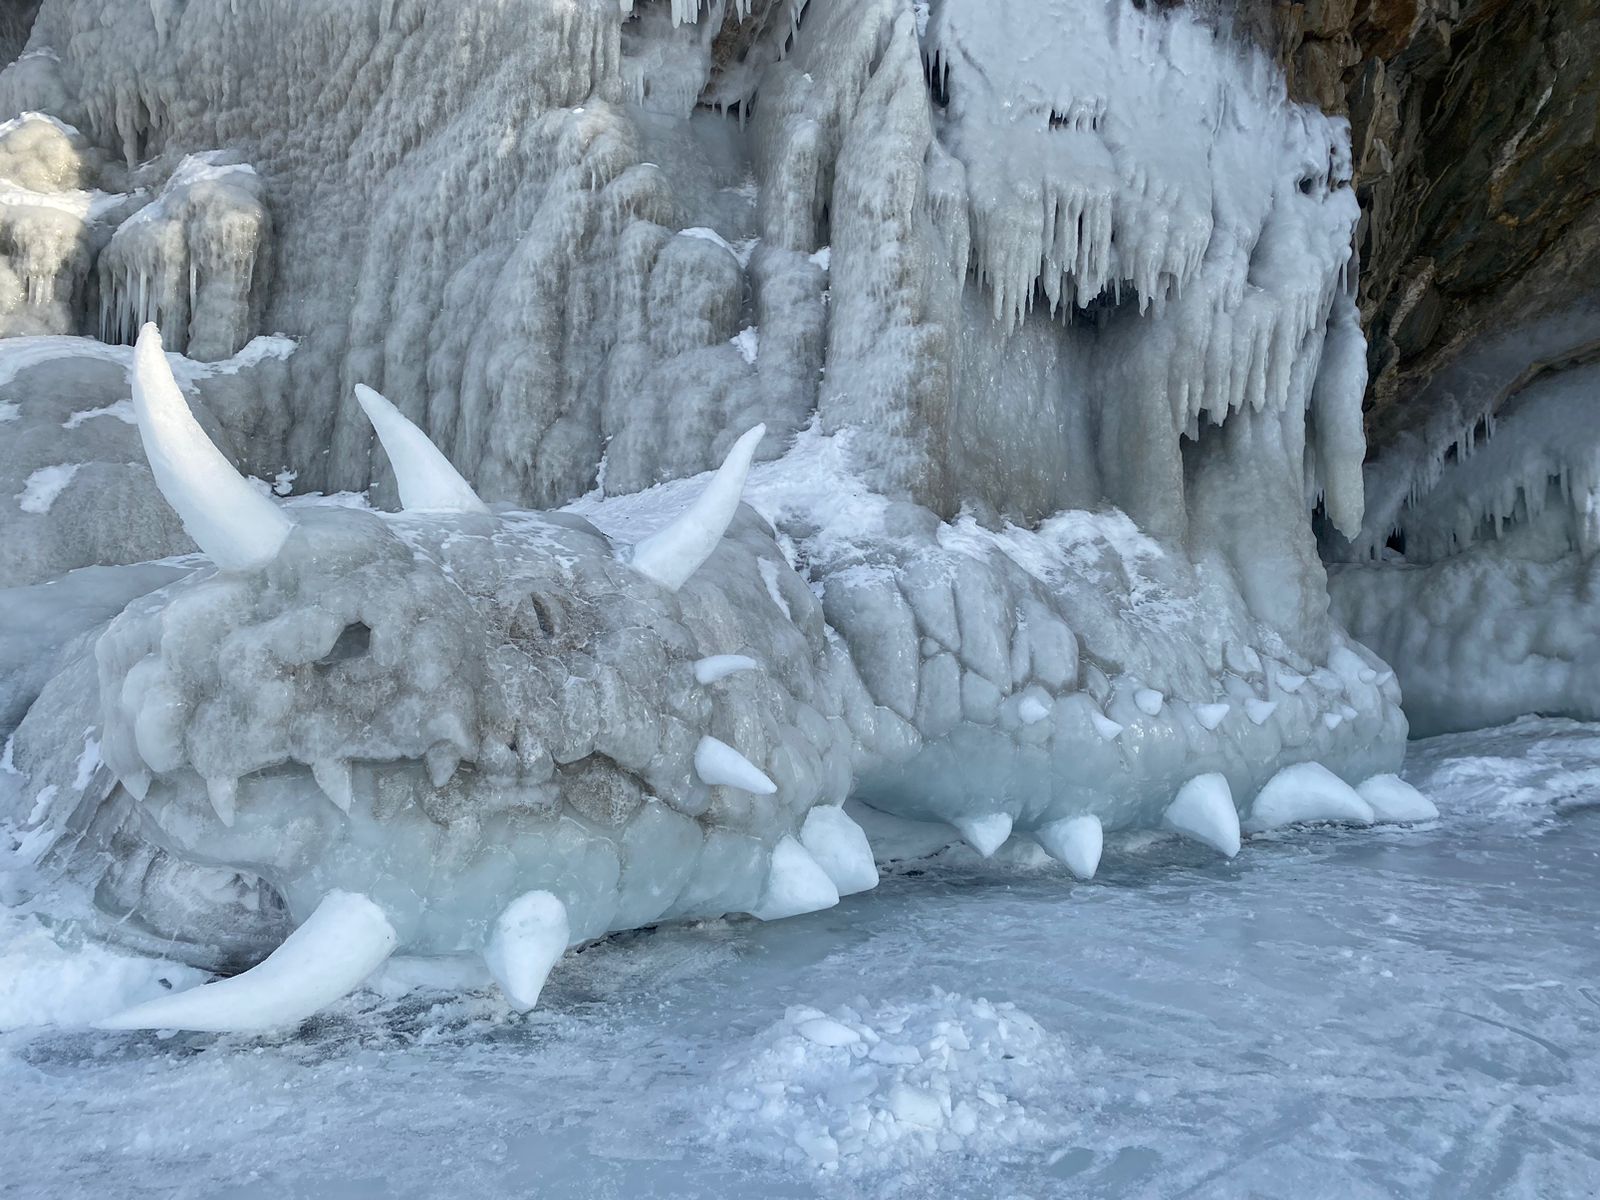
1122,151
190,261
1537,460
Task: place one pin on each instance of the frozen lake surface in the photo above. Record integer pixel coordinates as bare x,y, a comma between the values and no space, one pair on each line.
1338,1013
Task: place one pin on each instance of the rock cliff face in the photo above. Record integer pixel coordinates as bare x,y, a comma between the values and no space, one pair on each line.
1474,126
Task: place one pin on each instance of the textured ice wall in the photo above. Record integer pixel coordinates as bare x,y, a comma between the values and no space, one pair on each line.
464,214
501,256
1048,295
55,216
91,246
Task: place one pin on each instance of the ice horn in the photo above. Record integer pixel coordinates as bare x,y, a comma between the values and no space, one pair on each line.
427,481
234,524
327,958
671,555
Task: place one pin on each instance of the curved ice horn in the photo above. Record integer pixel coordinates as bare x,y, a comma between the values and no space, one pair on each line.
234,524
670,555
327,958
427,481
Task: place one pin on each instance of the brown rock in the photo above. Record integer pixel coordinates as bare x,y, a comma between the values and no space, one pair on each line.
1475,126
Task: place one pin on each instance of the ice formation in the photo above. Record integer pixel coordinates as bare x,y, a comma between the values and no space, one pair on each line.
1024,372
1490,611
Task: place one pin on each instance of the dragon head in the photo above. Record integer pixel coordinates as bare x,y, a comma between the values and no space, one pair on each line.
406,724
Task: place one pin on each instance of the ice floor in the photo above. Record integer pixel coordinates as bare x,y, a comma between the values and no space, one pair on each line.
1335,1013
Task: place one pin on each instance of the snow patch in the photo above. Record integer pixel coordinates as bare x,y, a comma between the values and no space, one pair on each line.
48,977
862,1090
44,485
122,410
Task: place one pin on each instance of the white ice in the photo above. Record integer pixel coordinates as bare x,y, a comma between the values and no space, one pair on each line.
528,939
840,848
1203,810
798,884
426,480
330,954
231,521
1077,842
986,833
719,666
719,764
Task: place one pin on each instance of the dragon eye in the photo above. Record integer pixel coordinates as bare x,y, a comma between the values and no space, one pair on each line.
353,642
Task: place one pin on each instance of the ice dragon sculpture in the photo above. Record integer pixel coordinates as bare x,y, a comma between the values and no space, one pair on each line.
456,730
1055,352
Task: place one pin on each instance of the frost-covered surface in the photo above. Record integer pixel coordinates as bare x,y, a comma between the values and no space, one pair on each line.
1333,1014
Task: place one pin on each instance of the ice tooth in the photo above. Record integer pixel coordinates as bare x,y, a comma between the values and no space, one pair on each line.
796,884
528,939
719,764
442,761
987,833
223,791
840,848
336,778
1108,729
326,958
1204,811
1076,842
1260,711
1307,791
